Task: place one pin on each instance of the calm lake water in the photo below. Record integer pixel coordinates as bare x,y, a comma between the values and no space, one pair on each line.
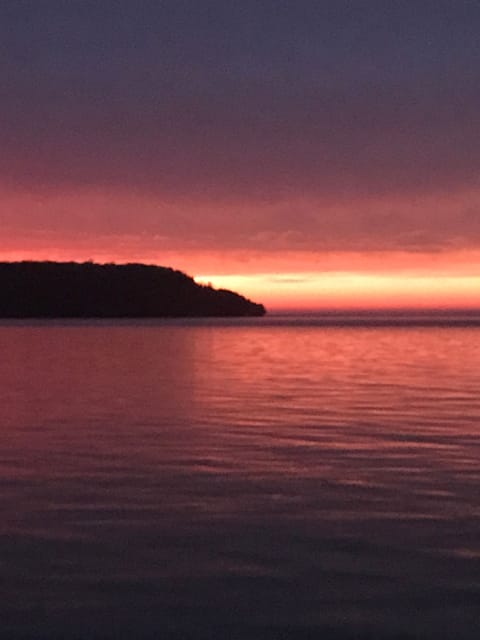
257,478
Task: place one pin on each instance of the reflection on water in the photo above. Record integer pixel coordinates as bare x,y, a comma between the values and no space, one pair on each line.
246,478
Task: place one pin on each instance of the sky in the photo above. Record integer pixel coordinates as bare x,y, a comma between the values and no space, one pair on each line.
308,154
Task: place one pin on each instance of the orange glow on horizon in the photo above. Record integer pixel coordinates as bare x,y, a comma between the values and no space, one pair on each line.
305,281
340,268
349,290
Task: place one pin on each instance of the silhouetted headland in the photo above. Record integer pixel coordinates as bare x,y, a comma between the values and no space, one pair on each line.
89,290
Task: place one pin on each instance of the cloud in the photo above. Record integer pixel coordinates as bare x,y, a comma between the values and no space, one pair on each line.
288,279
413,224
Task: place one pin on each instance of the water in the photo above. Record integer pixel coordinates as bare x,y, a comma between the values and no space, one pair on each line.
223,479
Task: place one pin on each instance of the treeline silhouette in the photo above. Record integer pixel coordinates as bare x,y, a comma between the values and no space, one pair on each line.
83,290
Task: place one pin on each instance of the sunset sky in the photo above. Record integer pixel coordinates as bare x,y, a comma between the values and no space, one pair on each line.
306,154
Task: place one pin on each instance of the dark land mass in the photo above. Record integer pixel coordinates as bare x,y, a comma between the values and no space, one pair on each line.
89,290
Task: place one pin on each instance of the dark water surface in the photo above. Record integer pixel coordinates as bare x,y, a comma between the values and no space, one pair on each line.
239,479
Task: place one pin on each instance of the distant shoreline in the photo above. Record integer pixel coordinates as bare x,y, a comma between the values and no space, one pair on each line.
376,312
255,322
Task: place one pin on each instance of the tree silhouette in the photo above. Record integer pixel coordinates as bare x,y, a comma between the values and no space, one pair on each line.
82,290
